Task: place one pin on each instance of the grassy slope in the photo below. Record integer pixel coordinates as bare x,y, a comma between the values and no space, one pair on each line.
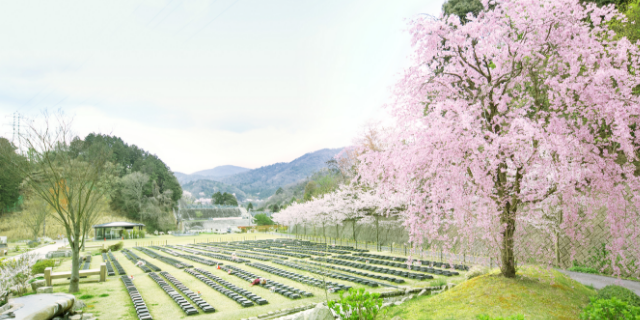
532,294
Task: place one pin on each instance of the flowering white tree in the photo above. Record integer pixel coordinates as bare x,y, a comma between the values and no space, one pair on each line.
354,204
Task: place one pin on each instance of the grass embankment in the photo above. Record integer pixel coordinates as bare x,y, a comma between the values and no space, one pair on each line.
535,293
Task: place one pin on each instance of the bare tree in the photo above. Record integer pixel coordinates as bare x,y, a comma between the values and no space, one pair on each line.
34,215
92,215
71,183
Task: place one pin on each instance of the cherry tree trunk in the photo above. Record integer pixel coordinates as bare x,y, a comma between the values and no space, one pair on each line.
507,219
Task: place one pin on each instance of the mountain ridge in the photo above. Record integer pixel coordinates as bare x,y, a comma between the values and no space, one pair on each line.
264,181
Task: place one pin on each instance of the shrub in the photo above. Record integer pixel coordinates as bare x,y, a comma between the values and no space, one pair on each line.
33,243
86,296
621,293
39,266
584,269
438,282
476,271
116,246
604,309
359,305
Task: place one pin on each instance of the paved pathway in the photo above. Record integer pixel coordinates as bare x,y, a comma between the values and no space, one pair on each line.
42,251
599,282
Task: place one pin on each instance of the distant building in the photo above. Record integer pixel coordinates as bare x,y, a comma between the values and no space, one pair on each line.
213,218
203,201
115,230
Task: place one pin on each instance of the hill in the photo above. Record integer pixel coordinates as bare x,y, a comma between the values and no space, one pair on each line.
264,181
186,178
210,174
221,171
209,187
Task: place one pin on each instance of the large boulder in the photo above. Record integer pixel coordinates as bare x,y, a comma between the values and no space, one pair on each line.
42,306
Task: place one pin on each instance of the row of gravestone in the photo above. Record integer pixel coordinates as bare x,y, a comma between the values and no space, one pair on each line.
235,296
329,274
168,260
187,307
360,273
424,262
110,271
279,288
425,268
332,286
283,253
145,266
252,296
252,256
265,255
141,308
205,306
115,262
303,251
369,267
186,256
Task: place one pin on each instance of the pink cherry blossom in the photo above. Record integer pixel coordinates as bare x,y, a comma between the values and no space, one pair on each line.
516,130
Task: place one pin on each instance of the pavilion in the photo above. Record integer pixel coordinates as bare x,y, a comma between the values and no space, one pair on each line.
115,230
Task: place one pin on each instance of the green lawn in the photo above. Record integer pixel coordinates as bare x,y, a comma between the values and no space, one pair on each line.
118,305
535,293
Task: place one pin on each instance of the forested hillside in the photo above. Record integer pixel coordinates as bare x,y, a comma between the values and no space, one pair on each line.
263,182
146,189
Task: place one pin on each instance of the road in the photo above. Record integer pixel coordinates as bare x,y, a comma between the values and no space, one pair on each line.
42,251
599,282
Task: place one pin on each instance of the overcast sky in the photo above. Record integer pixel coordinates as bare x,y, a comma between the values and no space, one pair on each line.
207,83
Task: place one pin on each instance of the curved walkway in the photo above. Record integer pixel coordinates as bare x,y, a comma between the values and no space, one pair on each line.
599,282
42,251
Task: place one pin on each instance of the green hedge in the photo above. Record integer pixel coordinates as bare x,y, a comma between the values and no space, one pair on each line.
39,266
622,293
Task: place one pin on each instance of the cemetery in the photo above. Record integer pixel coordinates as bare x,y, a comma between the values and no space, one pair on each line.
196,286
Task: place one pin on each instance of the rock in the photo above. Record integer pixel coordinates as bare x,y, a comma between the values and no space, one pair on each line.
387,304
75,317
79,305
422,292
45,290
87,316
320,312
37,284
397,303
